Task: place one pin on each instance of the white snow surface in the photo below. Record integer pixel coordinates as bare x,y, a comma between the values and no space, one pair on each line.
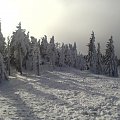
66,94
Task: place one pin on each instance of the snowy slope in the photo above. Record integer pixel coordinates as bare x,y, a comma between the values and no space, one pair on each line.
60,95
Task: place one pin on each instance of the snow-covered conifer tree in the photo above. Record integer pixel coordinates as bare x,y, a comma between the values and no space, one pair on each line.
99,60
62,56
57,54
2,43
51,52
67,55
3,75
110,59
81,62
92,55
35,57
18,47
71,56
27,45
8,46
75,55
43,47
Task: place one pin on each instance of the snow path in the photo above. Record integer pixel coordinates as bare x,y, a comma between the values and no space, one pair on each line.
60,95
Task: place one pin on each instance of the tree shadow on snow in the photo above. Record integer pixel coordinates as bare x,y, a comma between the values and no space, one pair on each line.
8,90
64,82
22,111
31,88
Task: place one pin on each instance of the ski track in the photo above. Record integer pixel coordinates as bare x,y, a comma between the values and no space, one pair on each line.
60,95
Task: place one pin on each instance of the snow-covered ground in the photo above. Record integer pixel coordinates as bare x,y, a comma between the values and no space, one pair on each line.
66,94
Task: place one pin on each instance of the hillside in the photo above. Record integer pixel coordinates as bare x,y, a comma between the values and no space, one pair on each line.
65,94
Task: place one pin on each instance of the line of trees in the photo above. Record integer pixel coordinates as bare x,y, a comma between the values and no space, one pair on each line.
102,64
25,52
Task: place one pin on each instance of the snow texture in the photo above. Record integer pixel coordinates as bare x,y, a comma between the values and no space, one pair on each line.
66,94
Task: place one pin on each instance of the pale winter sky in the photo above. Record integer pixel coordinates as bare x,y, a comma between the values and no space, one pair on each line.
67,20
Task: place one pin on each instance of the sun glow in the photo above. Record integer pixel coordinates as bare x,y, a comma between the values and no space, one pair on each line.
37,16
9,15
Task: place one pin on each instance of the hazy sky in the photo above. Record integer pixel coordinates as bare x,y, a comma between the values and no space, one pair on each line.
67,20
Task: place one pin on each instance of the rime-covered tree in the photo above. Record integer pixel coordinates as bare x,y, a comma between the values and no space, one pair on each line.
57,54
43,47
62,56
35,58
99,60
2,43
3,75
8,55
110,59
92,55
18,47
71,56
27,45
75,55
67,55
51,52
81,62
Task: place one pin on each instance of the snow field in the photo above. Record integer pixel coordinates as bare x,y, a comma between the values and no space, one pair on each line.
66,94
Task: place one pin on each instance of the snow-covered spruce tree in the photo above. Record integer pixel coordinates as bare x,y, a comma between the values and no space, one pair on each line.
2,44
39,60
62,56
75,55
92,55
8,55
110,60
57,55
28,47
67,55
51,52
81,62
71,56
18,47
33,53
3,75
99,60
43,48
35,57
